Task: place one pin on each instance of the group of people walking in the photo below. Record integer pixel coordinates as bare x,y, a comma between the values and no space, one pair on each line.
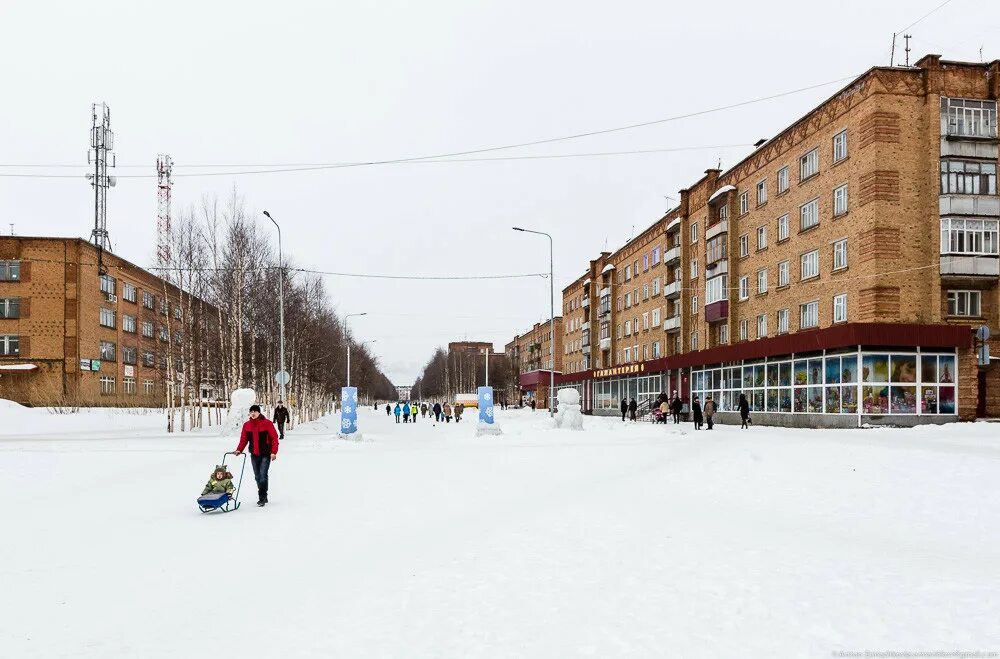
407,411
702,414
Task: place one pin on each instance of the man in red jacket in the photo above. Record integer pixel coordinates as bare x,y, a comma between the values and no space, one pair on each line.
260,434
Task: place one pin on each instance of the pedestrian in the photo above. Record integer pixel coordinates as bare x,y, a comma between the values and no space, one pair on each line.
676,406
260,434
632,407
437,411
696,413
398,410
709,411
532,404
406,412
388,410
280,418
664,409
624,408
446,411
423,409
413,412
459,408
744,411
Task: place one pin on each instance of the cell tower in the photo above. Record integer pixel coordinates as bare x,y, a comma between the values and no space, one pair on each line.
164,166
101,156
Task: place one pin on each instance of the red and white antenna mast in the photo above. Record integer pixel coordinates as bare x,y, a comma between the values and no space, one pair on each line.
164,166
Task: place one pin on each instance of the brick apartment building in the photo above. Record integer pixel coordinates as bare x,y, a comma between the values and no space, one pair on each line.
835,275
69,336
533,356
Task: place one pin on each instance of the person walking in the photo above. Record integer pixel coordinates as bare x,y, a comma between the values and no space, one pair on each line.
744,411
664,409
624,408
260,435
280,418
446,411
406,412
532,404
413,412
398,410
676,406
696,413
632,407
709,411
459,408
423,409
437,411
388,410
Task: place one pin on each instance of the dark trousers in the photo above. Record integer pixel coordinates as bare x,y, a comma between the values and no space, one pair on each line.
631,414
624,412
261,465
397,418
744,424
708,422
677,417
281,429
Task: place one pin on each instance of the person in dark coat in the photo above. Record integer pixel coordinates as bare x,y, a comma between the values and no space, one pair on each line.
437,411
696,413
632,407
744,411
624,408
280,418
533,404
388,410
676,406
260,434
709,411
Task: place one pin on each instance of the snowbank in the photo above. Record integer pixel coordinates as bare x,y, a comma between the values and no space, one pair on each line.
239,409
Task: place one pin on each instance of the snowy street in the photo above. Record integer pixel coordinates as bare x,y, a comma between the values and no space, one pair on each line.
623,540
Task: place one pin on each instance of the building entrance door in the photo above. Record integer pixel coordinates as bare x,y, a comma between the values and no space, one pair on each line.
981,394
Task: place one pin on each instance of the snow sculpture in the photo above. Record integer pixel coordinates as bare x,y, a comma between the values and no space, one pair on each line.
568,413
239,411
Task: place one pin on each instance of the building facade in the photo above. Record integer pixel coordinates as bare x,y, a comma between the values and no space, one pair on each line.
533,356
835,276
72,336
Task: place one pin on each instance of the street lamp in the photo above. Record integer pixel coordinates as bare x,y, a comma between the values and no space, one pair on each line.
552,323
347,337
281,311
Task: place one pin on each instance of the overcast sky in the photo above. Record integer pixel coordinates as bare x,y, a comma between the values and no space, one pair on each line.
253,83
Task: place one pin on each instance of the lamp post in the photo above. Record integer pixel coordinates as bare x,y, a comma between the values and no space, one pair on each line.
347,337
281,310
552,322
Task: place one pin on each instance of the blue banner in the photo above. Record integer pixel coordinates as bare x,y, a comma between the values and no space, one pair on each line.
486,404
348,410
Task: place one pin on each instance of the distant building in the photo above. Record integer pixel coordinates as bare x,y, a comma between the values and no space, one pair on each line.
533,356
403,391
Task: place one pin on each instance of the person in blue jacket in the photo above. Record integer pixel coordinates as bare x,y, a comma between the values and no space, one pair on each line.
397,411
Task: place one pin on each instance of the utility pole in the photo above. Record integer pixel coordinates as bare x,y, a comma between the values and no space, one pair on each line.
907,49
164,167
101,156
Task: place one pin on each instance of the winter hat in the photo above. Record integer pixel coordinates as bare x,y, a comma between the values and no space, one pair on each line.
222,468
255,408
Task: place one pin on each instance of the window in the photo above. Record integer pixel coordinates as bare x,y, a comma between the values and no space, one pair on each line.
628,273
628,354
783,228
129,355
783,179
164,335
108,318
128,323
656,287
783,321
10,271
744,203
761,238
694,340
723,334
177,312
645,262
723,213
783,274
656,256
840,308
628,300
840,146
744,245
840,200
128,385
762,192
809,265
809,164
645,291
968,118
147,299
840,254
148,358
147,329
107,285
107,351
694,232
645,351
968,177
809,215
694,304
694,268
628,328
148,387
761,326
960,236
129,292
716,249
10,307
964,303
107,385
809,315
645,321
762,281
656,317
744,330
656,349
744,286
10,345
715,289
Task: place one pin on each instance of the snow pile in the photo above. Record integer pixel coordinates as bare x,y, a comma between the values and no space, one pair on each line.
487,429
239,407
568,415
19,421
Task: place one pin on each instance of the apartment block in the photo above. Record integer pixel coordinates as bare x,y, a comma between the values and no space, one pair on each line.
534,355
836,275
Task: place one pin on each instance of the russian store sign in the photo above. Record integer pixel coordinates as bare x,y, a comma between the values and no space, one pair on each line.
629,369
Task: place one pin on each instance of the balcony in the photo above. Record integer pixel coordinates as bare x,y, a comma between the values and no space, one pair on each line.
586,349
970,265
606,344
672,324
720,267
672,255
717,229
586,301
675,225
585,327
672,291
969,204
606,292
717,311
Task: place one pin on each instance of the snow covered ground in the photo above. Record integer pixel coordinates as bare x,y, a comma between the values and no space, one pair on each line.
623,540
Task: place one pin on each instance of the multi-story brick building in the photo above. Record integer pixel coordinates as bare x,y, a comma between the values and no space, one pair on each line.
835,276
534,355
69,335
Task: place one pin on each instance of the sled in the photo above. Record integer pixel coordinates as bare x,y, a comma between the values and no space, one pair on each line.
223,502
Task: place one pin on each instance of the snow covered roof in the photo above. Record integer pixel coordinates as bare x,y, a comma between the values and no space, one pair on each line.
721,191
18,367
674,224
608,268
586,281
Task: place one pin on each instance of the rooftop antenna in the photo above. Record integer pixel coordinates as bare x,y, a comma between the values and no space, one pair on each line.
101,156
981,54
12,228
892,55
907,49
164,167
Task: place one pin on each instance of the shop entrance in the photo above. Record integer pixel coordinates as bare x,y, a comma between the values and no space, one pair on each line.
981,394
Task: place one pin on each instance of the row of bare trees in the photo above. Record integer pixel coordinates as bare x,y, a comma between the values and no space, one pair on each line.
223,278
451,372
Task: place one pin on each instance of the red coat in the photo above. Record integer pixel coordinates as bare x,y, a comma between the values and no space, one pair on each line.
261,436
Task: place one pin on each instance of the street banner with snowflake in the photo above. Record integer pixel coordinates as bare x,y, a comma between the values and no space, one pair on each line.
486,404
348,410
